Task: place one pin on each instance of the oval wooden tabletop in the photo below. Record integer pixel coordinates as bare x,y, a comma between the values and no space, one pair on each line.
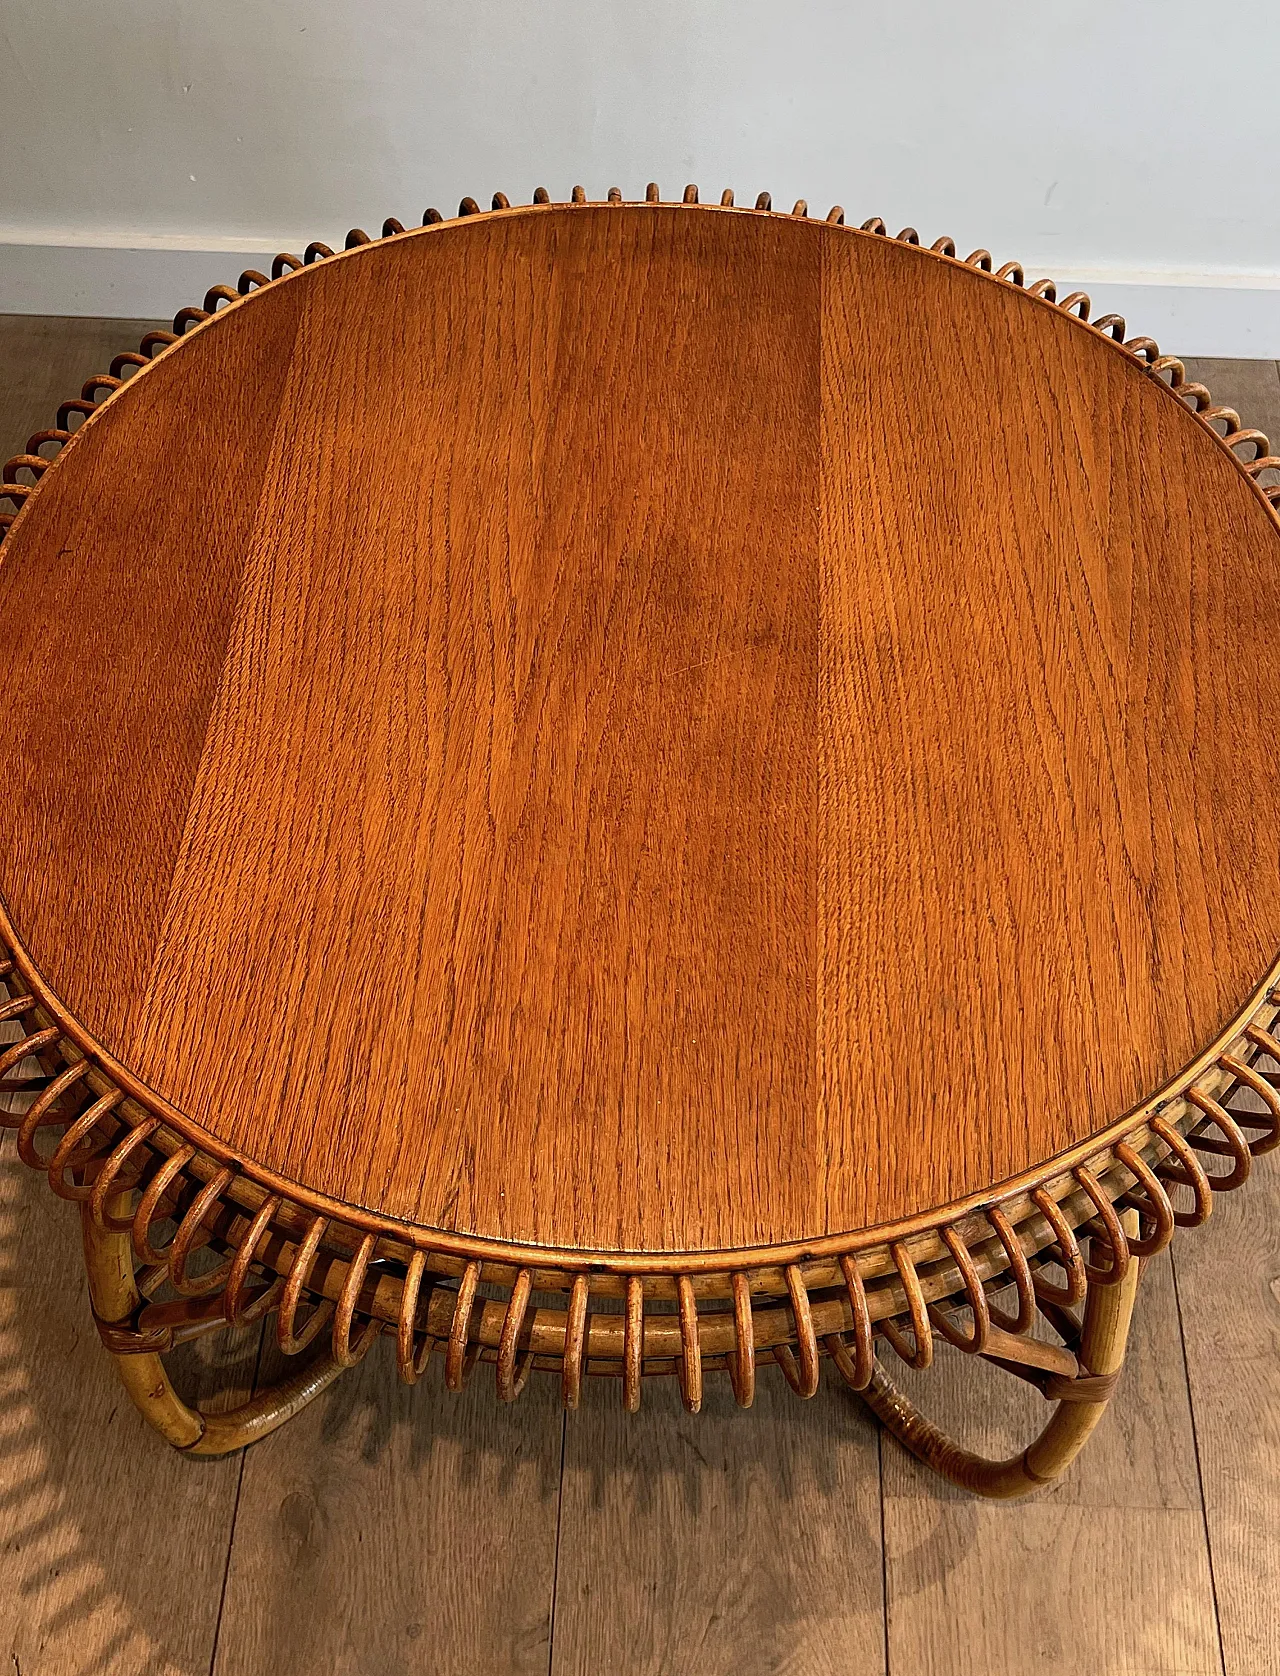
644,728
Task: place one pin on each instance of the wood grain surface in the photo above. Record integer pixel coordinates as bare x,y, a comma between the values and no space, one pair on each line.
646,727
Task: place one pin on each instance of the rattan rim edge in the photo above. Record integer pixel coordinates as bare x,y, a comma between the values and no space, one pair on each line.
895,1252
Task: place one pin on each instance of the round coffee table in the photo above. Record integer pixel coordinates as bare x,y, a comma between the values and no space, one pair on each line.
640,788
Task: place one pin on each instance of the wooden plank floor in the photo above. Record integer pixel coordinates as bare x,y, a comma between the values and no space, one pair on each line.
391,1531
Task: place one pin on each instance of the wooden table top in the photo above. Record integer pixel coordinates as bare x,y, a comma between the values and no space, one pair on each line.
650,728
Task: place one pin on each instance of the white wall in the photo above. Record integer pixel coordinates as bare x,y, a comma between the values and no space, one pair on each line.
148,147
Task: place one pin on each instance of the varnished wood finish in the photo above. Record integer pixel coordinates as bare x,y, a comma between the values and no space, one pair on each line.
646,728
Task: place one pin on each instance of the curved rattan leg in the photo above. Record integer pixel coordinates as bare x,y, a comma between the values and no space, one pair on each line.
1104,1337
115,1297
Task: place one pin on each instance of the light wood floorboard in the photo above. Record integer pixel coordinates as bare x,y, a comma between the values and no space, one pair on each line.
112,1551
390,1529
728,1543
1106,1572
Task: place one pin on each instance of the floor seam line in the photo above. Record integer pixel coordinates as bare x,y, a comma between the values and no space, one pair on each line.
884,1550
231,1535
555,1564
1195,1450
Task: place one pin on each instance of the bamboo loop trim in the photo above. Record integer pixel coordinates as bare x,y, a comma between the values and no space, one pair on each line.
575,1341
974,1342
412,1353
1020,1270
287,1336
1109,1226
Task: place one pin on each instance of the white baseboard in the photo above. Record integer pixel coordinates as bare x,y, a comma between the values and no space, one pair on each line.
151,283
1191,314
1212,314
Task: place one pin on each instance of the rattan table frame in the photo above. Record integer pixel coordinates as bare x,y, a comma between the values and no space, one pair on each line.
1067,1240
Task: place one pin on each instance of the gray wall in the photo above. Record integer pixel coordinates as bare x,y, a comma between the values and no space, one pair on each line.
1129,144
